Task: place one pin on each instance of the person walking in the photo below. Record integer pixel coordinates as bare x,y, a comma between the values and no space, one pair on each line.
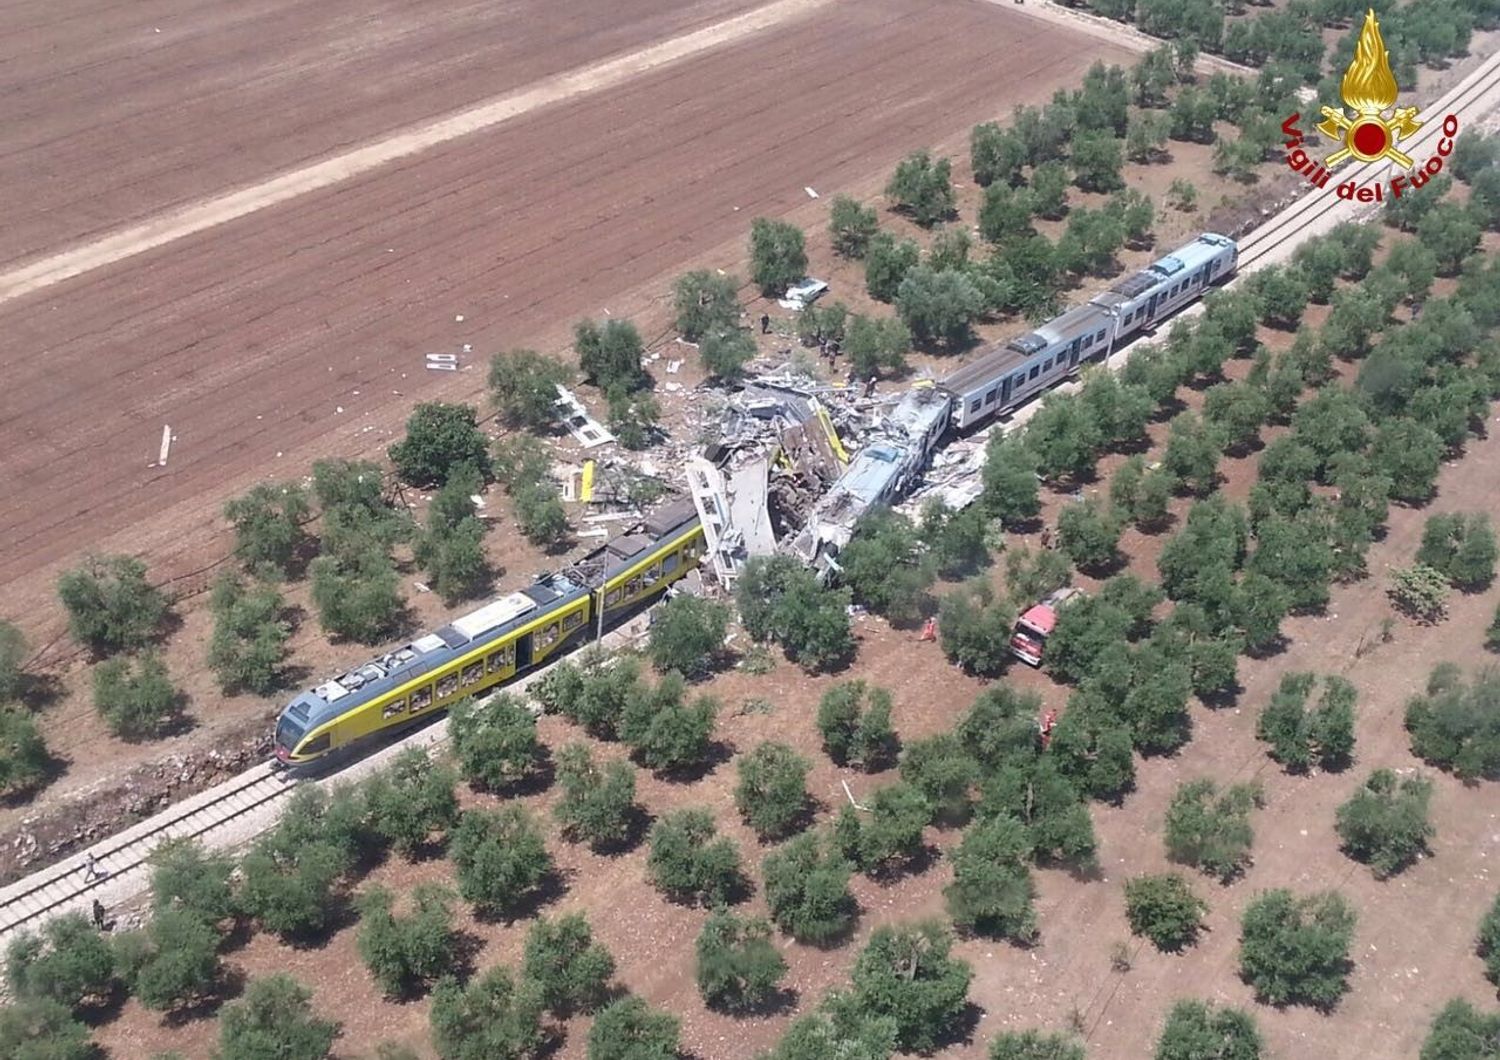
765,323
91,868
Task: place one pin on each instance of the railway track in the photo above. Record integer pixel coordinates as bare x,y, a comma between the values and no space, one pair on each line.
121,860
237,809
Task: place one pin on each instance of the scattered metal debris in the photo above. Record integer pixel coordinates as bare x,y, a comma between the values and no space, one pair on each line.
589,432
442,362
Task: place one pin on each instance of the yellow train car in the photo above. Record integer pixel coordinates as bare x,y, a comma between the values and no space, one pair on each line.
494,643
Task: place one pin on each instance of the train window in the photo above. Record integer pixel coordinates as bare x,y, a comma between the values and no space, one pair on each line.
1099,335
1047,365
547,636
317,745
612,597
653,572
421,698
974,405
669,563
989,399
473,672
1129,317
392,709
633,586
1087,342
573,619
446,686
497,661
1035,369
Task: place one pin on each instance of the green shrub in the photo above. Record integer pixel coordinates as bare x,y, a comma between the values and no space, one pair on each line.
905,973
186,876
43,1030
24,758
249,638
523,385
807,889
856,736
992,891
1456,726
1196,1030
411,800
501,858
173,963
1300,737
629,1029
598,802
440,440
69,962
274,1018
1488,944
687,632
1034,1045
495,741
1461,1032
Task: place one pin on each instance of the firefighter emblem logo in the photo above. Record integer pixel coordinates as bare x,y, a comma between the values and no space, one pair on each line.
1369,91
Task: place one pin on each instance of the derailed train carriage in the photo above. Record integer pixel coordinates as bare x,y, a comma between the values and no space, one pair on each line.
495,643
1003,379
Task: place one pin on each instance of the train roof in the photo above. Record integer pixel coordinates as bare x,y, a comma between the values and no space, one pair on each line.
491,621
1078,321
1186,258
983,370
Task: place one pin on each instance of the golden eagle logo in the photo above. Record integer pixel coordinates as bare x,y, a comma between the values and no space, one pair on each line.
1369,90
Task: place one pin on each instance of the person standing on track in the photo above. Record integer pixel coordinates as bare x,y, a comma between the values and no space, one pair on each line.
98,915
765,323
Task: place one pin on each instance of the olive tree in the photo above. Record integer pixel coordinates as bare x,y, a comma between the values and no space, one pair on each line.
274,1018
1209,829
807,889
690,862
906,974
852,733
629,1029
598,802
687,633
1384,823
496,741
738,966
570,969
523,386
405,952
490,1018
1164,909
772,791
267,525
1196,1030
441,439
110,605
992,891
777,255
136,697
501,858
1295,950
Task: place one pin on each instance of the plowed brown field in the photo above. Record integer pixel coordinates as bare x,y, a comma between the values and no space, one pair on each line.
248,337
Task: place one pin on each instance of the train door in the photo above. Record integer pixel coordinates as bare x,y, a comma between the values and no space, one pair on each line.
1151,305
1073,353
1005,392
523,652
1203,276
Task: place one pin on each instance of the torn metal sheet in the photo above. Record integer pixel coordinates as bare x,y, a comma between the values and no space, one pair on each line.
589,432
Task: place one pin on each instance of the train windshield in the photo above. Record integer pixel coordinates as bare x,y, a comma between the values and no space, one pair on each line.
288,732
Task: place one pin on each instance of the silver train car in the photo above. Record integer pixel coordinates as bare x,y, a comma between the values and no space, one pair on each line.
1022,368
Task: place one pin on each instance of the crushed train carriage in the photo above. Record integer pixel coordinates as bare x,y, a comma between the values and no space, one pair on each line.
515,633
